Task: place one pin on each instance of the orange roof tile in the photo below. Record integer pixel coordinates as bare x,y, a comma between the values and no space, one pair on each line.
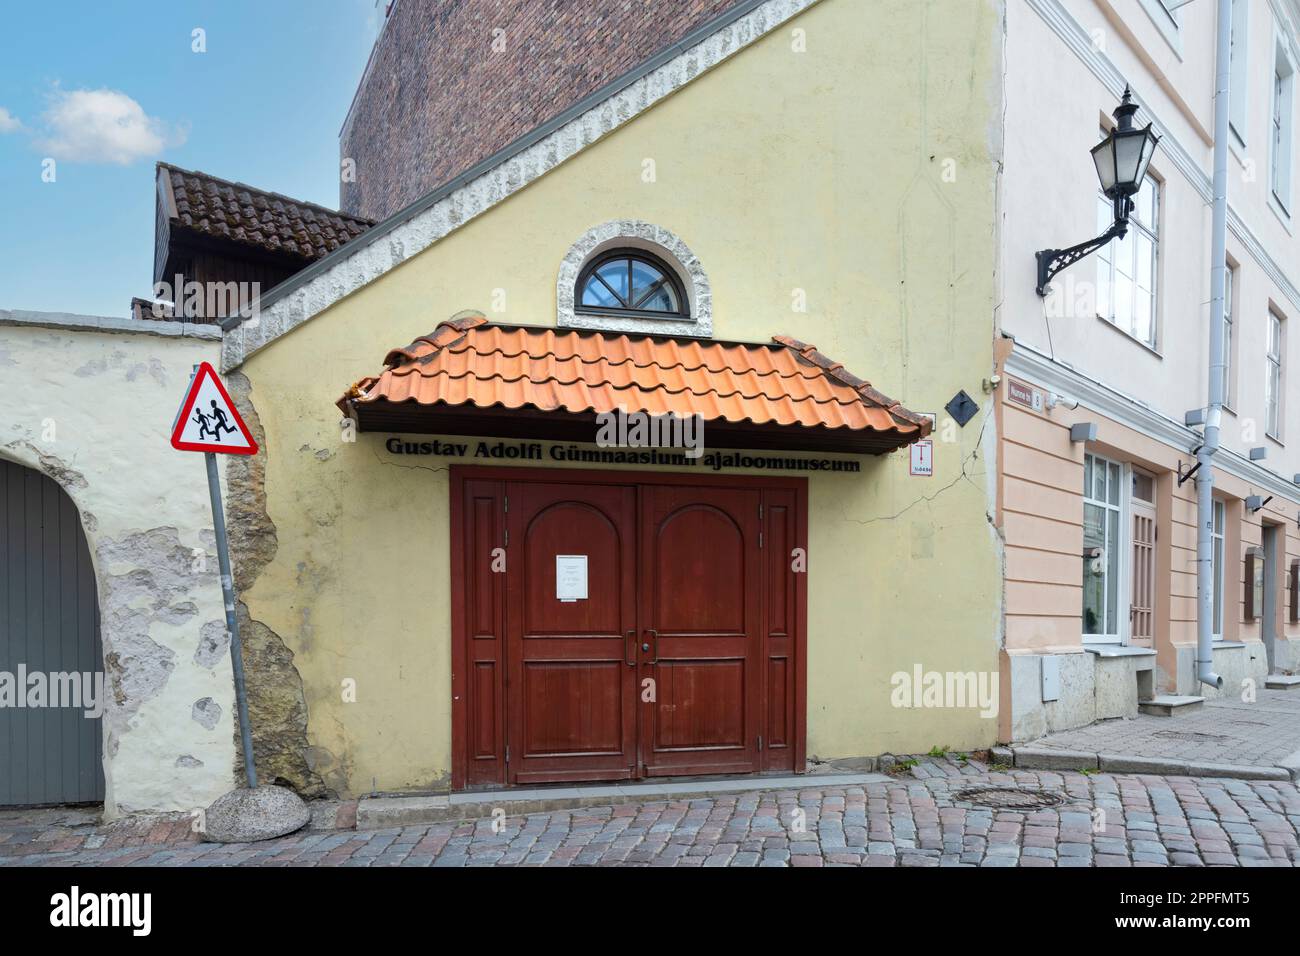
470,362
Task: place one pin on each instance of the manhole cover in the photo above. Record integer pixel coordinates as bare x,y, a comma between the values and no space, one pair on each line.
1190,735
1010,798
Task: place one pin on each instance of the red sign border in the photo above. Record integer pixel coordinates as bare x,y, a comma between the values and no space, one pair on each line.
205,368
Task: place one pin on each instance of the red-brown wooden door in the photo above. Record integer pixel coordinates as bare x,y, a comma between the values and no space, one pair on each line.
571,674
700,596
685,657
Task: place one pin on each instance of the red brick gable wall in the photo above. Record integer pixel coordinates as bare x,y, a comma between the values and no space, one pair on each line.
437,96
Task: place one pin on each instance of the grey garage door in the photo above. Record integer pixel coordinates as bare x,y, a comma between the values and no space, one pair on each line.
49,625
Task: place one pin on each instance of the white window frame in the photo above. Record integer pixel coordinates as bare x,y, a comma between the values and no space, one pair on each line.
1281,128
1106,258
1124,562
1275,375
1219,553
1238,110
1167,22
1229,338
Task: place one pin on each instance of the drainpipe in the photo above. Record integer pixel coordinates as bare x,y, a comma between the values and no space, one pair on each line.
1214,413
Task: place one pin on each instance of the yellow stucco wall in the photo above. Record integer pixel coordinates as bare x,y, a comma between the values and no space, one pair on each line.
861,171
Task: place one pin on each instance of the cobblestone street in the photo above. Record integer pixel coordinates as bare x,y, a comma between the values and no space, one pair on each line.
911,820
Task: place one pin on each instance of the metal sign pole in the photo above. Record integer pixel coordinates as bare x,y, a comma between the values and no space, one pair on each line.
232,620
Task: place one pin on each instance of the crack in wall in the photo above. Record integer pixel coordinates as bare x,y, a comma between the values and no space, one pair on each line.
277,704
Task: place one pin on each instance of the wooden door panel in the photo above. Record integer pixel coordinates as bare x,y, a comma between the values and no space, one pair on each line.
700,554
700,582
484,610
780,622
1142,602
573,707
573,702
49,622
698,705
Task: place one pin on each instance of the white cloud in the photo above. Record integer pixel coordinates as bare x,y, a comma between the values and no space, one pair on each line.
103,126
8,122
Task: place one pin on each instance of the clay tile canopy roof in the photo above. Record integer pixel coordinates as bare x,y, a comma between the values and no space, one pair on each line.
470,377
239,213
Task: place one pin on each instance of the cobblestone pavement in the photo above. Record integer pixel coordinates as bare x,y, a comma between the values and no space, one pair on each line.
1222,731
912,820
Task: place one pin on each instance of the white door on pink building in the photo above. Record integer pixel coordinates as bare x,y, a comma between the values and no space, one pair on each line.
1142,592
1105,590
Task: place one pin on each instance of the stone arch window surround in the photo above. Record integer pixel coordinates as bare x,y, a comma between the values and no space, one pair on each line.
646,236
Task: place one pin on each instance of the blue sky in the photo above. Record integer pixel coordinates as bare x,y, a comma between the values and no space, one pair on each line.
106,87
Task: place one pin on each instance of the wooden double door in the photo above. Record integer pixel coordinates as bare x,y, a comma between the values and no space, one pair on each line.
615,629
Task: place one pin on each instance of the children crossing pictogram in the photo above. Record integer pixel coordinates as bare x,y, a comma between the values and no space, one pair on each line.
208,420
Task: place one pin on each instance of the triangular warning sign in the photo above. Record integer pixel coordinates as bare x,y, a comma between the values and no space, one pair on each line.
208,420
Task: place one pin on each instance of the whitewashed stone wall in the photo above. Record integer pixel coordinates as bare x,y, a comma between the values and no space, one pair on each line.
90,401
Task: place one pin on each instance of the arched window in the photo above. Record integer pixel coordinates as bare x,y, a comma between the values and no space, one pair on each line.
631,282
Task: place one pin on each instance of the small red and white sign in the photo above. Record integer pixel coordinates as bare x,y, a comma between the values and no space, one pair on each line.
1024,394
208,420
922,458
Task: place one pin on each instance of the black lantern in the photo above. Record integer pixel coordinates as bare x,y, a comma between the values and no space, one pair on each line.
1121,159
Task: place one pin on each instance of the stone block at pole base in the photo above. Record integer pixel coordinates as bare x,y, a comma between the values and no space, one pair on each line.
247,815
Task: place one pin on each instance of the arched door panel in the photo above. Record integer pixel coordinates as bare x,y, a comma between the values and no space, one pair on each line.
700,609
49,634
571,693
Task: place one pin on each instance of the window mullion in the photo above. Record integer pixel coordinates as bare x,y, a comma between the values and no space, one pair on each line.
616,296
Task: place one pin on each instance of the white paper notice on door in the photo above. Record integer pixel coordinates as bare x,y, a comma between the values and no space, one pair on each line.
571,577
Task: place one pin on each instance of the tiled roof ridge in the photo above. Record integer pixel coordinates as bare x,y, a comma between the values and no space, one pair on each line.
463,322
459,326
416,363
836,370
632,386
407,361
270,194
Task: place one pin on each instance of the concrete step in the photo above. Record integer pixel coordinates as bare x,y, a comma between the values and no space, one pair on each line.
374,813
1282,681
1170,705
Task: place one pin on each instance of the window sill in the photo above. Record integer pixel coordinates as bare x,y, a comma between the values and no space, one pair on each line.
1221,645
1130,336
1118,650
676,326
1275,440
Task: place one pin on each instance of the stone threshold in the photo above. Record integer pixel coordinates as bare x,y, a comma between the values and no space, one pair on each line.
381,812
1050,758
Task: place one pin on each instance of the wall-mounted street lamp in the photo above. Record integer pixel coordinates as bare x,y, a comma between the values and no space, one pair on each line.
1121,159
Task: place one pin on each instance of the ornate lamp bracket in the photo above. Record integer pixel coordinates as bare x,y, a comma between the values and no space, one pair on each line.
1052,261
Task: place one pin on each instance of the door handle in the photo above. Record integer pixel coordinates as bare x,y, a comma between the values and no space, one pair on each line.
645,646
629,660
